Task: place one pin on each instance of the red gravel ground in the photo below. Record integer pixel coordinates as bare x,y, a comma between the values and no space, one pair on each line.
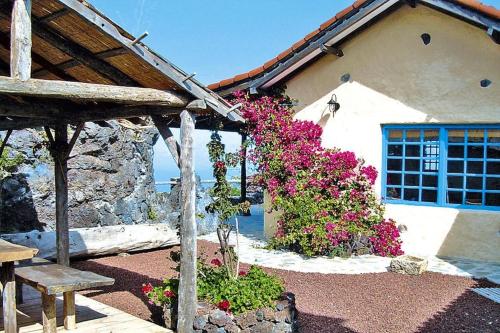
384,302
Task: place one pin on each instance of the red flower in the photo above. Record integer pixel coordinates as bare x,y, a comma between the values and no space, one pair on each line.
224,305
147,288
169,293
216,262
242,273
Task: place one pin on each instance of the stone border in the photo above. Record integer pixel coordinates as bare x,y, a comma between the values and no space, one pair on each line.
280,319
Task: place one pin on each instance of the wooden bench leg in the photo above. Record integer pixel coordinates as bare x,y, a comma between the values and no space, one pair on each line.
49,313
69,310
8,281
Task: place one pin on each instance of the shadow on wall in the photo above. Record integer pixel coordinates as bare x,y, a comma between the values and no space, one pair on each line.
473,234
17,209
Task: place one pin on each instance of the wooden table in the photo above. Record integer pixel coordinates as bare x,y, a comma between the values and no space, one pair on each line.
9,253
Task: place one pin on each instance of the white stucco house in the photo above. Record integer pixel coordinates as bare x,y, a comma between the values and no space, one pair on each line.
418,84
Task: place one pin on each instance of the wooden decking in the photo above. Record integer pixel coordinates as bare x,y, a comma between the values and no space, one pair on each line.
91,317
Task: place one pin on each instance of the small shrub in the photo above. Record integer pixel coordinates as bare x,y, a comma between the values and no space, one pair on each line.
253,289
152,214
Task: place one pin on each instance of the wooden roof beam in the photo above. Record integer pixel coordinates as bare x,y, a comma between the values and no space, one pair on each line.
78,91
52,16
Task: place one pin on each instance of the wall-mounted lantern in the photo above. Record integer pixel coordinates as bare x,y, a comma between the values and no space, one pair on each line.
333,105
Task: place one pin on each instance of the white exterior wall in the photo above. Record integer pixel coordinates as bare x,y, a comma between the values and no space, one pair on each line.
396,79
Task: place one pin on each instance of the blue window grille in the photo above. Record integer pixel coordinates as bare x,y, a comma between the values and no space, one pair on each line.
442,165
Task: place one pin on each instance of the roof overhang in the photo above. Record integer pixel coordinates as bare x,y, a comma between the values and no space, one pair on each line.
341,30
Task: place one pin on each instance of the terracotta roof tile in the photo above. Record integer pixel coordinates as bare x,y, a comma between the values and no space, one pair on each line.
270,63
241,77
214,86
344,12
473,4
327,23
358,3
480,7
284,53
298,44
256,71
311,34
226,82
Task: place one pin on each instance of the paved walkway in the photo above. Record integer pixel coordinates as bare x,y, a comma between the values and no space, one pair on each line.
252,252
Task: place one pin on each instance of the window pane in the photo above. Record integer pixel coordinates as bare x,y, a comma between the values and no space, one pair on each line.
474,167
395,150
474,183
413,136
475,136
393,179
493,183
455,182
429,195
473,198
493,152
429,180
411,194
456,136
395,135
455,166
431,135
396,165
412,150
492,199
431,150
494,135
393,193
431,165
454,197
493,168
412,165
456,151
475,151
412,180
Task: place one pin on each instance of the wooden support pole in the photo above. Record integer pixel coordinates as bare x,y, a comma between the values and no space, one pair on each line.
20,47
7,279
188,301
49,313
243,175
167,135
69,310
60,155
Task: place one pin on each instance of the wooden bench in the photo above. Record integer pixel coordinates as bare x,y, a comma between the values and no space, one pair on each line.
51,279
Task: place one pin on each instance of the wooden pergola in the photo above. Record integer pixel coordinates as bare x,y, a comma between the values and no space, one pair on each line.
64,63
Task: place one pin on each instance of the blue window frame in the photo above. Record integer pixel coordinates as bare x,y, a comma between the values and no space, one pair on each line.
442,165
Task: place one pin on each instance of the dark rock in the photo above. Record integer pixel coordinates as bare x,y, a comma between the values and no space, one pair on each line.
211,328
282,328
281,305
262,327
232,328
246,319
259,314
219,318
200,322
110,180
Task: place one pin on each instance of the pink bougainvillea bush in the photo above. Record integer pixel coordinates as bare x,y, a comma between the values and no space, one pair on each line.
325,197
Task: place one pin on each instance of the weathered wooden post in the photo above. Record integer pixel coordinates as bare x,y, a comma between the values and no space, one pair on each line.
61,180
20,68
188,300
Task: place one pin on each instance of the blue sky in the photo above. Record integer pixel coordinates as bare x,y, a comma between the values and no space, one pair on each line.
218,39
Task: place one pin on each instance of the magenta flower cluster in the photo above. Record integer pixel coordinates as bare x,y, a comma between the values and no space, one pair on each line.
325,197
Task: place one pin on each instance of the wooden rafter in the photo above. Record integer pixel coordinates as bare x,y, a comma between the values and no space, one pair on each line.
91,92
73,63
